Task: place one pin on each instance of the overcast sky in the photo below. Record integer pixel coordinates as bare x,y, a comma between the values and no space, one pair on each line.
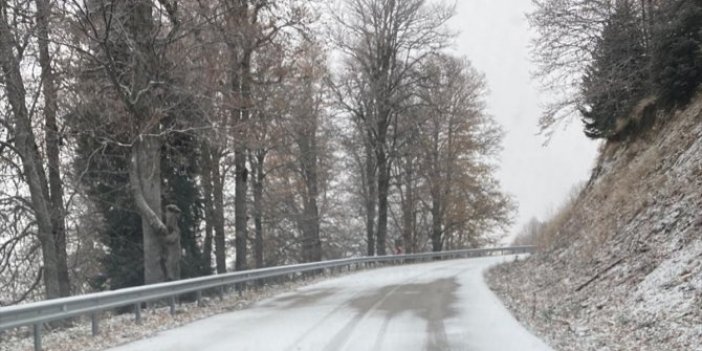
495,36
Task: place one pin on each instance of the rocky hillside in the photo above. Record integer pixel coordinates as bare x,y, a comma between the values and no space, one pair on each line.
622,267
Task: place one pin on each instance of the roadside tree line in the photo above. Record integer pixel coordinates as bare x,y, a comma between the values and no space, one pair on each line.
151,140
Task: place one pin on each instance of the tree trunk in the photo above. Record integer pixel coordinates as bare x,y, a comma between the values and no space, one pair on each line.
258,207
145,165
408,208
242,89
31,162
312,244
383,193
145,184
436,242
312,250
240,193
312,239
436,186
207,190
371,196
218,215
57,209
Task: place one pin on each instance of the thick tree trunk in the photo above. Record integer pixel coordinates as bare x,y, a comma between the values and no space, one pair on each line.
145,165
25,143
145,184
312,250
57,209
218,215
312,244
258,207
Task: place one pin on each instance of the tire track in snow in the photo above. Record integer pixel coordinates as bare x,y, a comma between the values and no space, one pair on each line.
340,340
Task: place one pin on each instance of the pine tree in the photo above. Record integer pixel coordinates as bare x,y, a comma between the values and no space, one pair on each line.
616,80
677,56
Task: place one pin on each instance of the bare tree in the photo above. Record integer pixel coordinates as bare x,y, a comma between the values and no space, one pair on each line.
306,123
48,218
215,140
458,140
383,42
127,42
349,91
408,181
50,93
247,26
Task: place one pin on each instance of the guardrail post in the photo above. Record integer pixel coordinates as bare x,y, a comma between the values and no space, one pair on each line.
198,296
37,337
137,312
221,293
172,303
94,324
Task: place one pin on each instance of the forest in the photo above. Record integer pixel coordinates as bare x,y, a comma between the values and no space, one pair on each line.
144,141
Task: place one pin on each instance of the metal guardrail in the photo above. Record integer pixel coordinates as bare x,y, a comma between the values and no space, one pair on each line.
38,313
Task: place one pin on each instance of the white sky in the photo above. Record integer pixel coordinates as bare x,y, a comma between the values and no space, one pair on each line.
495,36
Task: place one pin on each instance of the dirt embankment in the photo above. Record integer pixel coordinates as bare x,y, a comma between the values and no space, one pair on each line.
623,267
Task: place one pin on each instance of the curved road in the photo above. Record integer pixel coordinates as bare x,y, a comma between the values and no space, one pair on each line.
431,306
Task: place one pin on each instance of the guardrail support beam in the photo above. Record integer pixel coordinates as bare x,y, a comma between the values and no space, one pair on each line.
37,337
94,324
198,296
137,313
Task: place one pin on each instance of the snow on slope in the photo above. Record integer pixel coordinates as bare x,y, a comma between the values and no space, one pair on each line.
625,270
434,306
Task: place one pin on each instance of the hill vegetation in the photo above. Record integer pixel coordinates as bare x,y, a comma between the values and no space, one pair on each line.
619,264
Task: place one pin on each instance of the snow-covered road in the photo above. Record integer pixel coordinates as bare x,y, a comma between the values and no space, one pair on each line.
432,306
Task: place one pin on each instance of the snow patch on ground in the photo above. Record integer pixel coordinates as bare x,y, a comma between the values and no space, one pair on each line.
671,285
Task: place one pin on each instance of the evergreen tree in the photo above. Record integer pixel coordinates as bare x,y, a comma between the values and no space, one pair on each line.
677,57
179,168
106,180
616,80
105,176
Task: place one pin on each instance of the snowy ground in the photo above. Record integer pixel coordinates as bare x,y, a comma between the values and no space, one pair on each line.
436,306
120,329
620,269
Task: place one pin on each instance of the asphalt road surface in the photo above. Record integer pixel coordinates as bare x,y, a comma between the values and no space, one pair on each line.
429,306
